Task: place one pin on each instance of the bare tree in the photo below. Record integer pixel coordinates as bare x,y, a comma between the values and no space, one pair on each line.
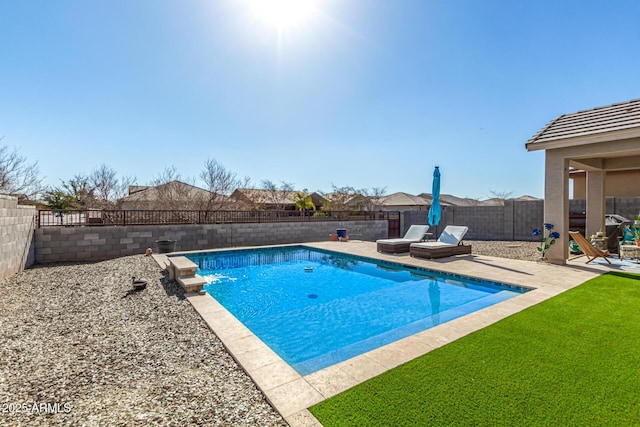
81,190
502,195
220,182
17,176
108,188
173,192
277,195
168,174
342,198
372,197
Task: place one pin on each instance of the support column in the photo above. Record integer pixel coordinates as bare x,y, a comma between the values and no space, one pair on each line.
556,203
596,202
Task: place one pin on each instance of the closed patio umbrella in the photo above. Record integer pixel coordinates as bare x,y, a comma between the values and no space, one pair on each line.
435,210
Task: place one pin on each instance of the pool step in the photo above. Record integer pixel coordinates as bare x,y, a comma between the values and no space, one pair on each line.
183,270
193,283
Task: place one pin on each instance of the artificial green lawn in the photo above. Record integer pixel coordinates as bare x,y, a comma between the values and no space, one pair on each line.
571,360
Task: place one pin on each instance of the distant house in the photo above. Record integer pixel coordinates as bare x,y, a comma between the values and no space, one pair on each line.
526,198
406,202
403,202
341,201
623,183
456,201
449,200
174,195
251,198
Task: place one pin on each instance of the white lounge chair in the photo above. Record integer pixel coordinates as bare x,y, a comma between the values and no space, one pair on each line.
449,243
414,234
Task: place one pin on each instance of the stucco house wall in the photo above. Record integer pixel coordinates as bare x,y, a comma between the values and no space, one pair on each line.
616,184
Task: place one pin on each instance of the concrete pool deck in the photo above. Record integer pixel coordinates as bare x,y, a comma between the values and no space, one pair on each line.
291,394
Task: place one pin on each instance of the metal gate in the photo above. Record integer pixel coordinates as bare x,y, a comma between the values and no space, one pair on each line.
393,219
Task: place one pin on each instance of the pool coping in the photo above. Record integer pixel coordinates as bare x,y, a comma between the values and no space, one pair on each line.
291,394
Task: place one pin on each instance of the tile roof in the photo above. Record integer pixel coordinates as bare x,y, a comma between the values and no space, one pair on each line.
614,117
175,188
449,200
526,198
259,195
403,199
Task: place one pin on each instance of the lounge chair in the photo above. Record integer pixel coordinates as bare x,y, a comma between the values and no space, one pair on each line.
448,244
588,250
628,238
414,234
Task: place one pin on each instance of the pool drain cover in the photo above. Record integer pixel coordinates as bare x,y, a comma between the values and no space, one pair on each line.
312,296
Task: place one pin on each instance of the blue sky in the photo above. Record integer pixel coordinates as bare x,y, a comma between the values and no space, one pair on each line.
362,93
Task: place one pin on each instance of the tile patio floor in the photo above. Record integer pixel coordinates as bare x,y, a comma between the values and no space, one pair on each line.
291,394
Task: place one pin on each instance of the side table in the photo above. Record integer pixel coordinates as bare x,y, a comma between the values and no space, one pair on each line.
600,242
630,251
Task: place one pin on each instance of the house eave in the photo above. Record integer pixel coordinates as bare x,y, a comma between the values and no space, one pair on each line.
577,140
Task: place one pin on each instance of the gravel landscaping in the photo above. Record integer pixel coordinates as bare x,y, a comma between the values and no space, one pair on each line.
79,338
81,347
512,250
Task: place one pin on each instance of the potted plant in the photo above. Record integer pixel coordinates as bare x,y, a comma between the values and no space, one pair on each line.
546,241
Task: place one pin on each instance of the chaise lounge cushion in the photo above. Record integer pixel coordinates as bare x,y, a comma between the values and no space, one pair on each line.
448,244
414,234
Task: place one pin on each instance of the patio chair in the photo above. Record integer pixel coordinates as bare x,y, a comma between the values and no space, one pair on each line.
588,250
448,244
628,238
414,234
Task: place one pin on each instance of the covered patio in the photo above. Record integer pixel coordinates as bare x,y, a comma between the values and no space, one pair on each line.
599,140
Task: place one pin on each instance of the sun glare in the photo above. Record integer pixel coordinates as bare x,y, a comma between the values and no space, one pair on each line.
282,14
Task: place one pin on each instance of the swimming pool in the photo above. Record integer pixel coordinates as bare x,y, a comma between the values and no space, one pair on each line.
315,308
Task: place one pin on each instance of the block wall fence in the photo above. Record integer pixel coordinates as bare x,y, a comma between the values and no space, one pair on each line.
55,244
17,225
513,221
21,245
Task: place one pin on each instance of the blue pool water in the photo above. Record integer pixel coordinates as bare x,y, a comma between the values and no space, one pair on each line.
316,308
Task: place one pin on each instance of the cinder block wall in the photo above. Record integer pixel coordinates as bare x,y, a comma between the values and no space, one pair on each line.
628,207
527,215
54,244
408,218
17,225
484,222
513,221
